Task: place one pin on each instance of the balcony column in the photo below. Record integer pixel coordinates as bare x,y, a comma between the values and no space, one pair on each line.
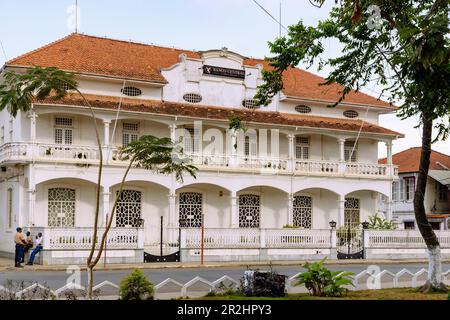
234,143
342,165
341,211
390,167
106,206
172,210
291,141
33,116
31,203
234,219
389,209
106,142
173,128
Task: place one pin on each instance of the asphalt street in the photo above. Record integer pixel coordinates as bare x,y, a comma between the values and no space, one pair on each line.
57,279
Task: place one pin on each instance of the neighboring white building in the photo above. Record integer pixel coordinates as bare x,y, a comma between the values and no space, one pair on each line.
437,196
309,172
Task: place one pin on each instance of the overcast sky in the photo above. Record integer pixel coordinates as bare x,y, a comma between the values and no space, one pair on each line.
239,25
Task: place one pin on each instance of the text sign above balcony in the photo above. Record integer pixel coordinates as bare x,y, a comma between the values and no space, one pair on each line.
223,72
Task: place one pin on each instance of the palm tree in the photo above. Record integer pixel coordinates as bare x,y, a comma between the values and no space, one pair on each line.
19,91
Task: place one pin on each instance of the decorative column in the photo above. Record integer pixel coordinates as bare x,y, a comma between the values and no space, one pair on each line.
291,141
106,206
342,165
234,144
31,204
33,116
289,218
389,209
173,222
390,167
234,219
341,211
173,128
106,142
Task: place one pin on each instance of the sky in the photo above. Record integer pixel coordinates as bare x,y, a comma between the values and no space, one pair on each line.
239,25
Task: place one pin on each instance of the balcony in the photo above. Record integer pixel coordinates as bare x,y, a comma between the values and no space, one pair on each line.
89,155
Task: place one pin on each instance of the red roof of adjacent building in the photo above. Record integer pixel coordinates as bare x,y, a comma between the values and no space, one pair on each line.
408,160
220,113
101,56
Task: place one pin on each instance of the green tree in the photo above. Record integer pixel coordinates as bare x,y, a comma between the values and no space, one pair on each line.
136,286
402,45
18,92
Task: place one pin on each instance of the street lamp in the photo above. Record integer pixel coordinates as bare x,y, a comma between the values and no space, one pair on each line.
365,225
332,224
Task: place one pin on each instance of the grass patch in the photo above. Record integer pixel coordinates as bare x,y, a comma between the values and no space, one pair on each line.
383,294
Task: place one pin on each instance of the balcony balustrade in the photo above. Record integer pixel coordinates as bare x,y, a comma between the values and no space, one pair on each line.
87,155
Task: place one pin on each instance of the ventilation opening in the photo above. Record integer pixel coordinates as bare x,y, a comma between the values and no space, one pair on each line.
192,97
350,114
250,104
131,91
302,109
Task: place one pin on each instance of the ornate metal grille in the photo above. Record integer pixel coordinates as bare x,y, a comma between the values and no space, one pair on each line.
351,212
128,211
249,211
350,114
192,97
190,209
250,104
131,91
61,207
302,109
302,215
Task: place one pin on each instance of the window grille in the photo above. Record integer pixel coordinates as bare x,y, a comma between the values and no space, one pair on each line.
302,212
190,209
249,211
63,122
409,186
250,145
302,109
128,210
191,140
350,114
352,212
130,133
61,207
131,91
302,148
192,97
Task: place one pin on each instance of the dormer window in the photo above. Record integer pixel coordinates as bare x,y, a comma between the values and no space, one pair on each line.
350,114
302,109
192,97
250,104
131,91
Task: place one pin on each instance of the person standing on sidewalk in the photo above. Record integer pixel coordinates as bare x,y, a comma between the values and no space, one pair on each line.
28,246
36,249
20,245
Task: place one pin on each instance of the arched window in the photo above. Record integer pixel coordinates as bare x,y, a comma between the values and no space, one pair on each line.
61,207
249,211
351,212
190,209
128,210
302,212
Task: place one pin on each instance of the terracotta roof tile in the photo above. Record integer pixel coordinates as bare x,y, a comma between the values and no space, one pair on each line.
221,113
409,160
101,56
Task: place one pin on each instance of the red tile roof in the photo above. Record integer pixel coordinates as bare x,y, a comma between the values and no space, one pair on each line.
408,160
221,113
101,56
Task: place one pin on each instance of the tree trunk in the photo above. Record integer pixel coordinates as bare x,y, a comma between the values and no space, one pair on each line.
90,273
434,281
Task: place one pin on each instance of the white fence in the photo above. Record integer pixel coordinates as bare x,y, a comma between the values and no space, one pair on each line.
408,239
81,238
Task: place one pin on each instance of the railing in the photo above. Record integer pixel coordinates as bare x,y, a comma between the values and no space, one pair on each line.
85,155
81,238
221,238
403,239
297,238
311,166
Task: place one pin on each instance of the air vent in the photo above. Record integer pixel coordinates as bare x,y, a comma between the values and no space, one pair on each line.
192,97
302,109
350,114
250,104
131,91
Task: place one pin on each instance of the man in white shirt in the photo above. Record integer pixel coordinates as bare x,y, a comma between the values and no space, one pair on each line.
38,248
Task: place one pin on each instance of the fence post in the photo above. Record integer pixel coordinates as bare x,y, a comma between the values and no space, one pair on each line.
140,238
183,237
262,238
366,234
333,238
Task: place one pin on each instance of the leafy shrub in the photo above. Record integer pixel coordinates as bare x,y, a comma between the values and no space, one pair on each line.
321,281
379,223
136,286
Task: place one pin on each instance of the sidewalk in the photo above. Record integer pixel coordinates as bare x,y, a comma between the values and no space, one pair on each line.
8,264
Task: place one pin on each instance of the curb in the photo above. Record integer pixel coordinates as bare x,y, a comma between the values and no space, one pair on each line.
175,265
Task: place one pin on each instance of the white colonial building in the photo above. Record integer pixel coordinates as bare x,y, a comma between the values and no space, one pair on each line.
300,164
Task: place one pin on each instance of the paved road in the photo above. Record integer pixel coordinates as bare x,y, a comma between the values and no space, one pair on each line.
57,279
